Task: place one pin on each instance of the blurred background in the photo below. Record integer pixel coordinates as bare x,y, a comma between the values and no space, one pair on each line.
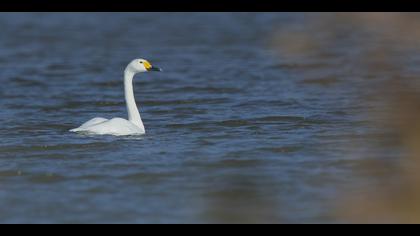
257,118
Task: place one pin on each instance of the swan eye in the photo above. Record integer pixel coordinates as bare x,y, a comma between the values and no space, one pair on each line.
140,62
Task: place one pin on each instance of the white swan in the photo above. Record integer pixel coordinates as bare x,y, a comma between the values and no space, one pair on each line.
118,126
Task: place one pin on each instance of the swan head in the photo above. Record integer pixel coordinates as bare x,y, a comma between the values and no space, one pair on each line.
141,65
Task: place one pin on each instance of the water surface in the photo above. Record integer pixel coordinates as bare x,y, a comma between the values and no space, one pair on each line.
236,131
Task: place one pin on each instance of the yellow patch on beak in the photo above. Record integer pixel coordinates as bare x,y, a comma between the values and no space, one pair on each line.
147,65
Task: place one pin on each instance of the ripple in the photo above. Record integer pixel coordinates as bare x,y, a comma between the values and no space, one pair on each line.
185,101
10,173
328,81
289,121
234,123
284,149
46,178
280,103
183,110
81,104
299,66
20,81
242,122
59,67
238,162
210,90
35,178
280,119
147,177
106,84
58,147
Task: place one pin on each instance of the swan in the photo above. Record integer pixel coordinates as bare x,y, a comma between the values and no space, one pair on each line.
119,126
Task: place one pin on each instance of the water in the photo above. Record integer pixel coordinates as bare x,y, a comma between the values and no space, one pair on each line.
236,132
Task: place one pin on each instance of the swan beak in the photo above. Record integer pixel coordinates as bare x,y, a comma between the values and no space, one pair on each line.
154,68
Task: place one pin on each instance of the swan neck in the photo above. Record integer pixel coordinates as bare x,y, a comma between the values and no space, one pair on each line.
133,112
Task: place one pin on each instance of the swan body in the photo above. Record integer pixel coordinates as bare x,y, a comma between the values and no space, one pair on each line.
119,126
115,126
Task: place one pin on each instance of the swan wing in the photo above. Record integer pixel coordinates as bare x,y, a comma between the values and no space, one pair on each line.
93,122
89,123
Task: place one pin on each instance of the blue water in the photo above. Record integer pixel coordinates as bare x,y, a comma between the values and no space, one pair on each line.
236,131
